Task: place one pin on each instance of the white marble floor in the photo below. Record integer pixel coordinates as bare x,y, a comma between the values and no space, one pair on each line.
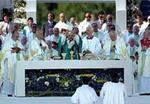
63,100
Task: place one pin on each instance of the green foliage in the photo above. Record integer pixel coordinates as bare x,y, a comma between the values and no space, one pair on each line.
72,9
42,13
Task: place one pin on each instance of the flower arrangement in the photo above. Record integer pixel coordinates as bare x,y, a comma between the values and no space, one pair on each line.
19,11
62,82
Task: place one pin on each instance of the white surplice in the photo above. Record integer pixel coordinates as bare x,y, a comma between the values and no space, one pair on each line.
63,25
120,48
113,93
5,27
132,50
84,95
9,63
145,78
83,25
27,30
93,45
36,51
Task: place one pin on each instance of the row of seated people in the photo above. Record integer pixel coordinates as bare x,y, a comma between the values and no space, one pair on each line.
69,44
72,45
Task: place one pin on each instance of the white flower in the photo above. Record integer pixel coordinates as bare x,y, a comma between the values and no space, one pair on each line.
22,9
57,79
27,79
66,84
20,20
94,78
78,77
46,83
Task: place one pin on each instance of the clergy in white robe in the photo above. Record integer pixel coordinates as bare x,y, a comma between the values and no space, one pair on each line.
25,48
11,49
5,25
141,23
145,78
84,24
28,29
32,34
132,48
114,47
84,94
146,71
57,38
51,52
127,33
37,49
63,23
91,43
133,54
98,33
113,92
143,68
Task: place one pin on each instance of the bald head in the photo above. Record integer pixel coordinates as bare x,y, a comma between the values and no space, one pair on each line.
56,31
113,35
62,17
88,16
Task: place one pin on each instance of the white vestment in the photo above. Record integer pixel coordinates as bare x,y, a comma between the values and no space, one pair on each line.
84,95
5,27
132,50
27,30
113,93
36,51
120,49
145,78
126,36
137,39
93,45
83,25
146,71
100,35
142,27
9,63
62,25
51,53
30,37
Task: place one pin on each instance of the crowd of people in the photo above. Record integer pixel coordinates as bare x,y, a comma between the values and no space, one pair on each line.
69,40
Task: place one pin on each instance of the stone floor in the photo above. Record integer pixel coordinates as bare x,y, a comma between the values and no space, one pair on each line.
63,100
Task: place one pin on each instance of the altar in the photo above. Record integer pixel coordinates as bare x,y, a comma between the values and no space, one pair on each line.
62,77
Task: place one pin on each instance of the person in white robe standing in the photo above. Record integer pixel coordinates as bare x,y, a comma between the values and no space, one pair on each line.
84,24
84,94
11,51
113,92
28,29
144,64
114,47
5,25
63,23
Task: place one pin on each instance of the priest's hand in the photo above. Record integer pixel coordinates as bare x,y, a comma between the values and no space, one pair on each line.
15,50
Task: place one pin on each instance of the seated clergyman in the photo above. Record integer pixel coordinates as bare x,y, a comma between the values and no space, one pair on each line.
71,47
91,43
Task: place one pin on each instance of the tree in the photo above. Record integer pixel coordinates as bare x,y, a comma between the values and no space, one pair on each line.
72,9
